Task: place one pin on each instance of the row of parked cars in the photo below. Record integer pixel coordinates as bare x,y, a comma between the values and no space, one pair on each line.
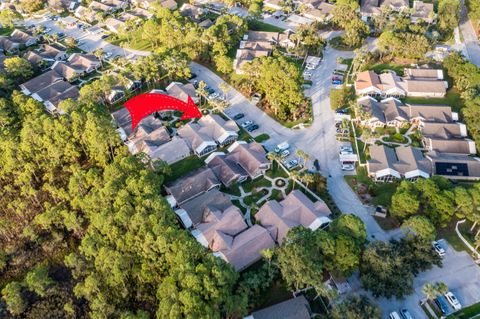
284,150
248,125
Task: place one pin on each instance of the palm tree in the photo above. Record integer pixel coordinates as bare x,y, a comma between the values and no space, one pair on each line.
477,242
304,156
99,53
441,288
201,91
295,176
219,105
429,291
274,157
225,88
307,178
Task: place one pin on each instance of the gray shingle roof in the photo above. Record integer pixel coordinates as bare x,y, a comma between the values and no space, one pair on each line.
296,308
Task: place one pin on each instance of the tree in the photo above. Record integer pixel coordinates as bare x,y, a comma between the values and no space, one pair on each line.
448,15
350,225
356,307
99,53
71,42
347,255
420,226
38,280
31,6
429,291
441,288
303,155
224,64
12,294
17,67
405,201
8,17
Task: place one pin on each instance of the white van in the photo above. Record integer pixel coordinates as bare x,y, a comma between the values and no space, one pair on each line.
282,147
394,315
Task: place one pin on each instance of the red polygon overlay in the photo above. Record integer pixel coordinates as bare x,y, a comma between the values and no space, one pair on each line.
145,104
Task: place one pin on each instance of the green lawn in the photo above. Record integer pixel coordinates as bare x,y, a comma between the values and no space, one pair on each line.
337,43
184,166
452,98
254,197
232,190
466,313
256,183
276,171
135,41
379,68
6,31
256,25
237,203
449,234
262,138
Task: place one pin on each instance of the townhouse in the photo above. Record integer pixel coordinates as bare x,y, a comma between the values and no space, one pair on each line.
371,8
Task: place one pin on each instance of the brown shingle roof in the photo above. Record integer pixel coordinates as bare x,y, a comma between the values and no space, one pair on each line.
42,81
296,308
192,185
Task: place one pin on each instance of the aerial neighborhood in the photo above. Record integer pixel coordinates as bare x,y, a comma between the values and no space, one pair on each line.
255,159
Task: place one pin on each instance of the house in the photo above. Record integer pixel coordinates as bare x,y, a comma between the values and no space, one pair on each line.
66,70
34,58
296,308
85,14
210,131
310,4
51,91
387,112
226,169
295,210
116,4
114,25
145,4
87,62
52,104
323,13
124,122
40,82
183,91
370,8
390,84
173,151
256,44
193,12
447,138
205,24
52,52
191,185
420,114
169,4
8,46
226,233
386,164
455,166
423,74
285,39
422,11
273,4
244,56
142,13
122,84
23,38
100,6
298,20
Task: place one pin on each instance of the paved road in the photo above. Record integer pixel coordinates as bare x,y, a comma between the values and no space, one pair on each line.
469,37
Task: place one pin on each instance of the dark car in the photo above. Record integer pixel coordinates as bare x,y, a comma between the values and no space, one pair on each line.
442,304
61,34
104,36
209,90
316,164
405,314
192,76
238,116
252,127
195,84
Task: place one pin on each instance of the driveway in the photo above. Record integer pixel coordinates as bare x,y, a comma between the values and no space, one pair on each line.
459,273
469,37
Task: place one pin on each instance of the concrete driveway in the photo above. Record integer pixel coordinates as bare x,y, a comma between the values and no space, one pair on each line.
469,37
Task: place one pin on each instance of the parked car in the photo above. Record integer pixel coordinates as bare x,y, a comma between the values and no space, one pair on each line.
47,30
104,36
442,304
192,76
246,123
281,147
209,90
342,111
346,149
453,300
336,82
284,153
291,164
252,127
438,248
405,314
238,116
213,96
348,167
394,315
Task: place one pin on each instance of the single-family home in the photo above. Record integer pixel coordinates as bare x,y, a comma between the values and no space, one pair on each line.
23,38
422,11
173,151
273,4
387,112
309,4
8,46
295,210
387,164
52,104
85,14
145,4
87,62
447,138
169,4
51,91
191,185
193,12
183,91
323,13
53,52
371,8
244,160
209,132
455,166
423,74
34,58
296,308
67,71
205,24
40,82
100,6
114,25
227,234
420,114
122,84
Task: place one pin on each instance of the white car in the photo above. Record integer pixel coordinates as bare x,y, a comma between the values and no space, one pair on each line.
281,147
348,167
213,96
438,248
291,164
285,153
453,300
246,123
345,152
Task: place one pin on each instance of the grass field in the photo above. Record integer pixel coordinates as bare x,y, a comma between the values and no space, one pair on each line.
184,166
256,25
466,313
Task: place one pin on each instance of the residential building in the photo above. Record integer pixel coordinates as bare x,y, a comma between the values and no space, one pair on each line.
52,52
226,233
323,13
34,58
310,4
67,71
210,131
114,25
52,104
169,4
455,166
86,62
191,185
296,308
100,6
142,13
422,11
273,4
370,8
387,164
8,46
244,160
390,84
183,91
420,114
145,4
173,151
85,14
23,38
40,82
447,138
295,210
193,12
